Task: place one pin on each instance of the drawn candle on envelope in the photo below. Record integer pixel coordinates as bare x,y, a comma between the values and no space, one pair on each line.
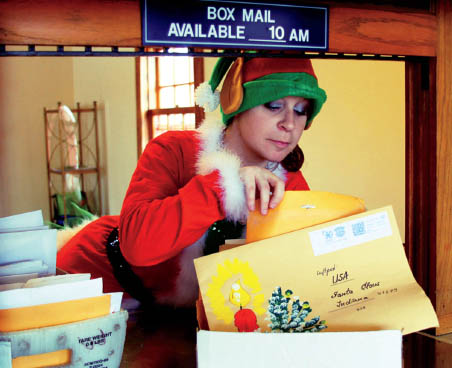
285,312
234,287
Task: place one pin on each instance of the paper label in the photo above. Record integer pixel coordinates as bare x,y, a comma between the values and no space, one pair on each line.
99,363
351,233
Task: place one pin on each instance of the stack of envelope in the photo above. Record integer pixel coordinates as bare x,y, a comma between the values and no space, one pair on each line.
48,319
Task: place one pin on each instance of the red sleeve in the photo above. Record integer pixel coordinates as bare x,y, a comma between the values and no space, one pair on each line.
296,181
167,206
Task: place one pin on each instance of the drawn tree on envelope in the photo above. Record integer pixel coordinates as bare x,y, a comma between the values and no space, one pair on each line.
283,320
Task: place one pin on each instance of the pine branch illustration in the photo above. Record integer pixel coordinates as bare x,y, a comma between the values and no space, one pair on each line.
281,321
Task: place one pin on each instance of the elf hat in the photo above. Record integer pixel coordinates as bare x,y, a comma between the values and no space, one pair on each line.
257,81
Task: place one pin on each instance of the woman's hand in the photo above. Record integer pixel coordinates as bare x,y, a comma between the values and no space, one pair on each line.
261,183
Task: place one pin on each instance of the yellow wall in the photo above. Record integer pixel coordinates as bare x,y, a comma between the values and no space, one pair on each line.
111,82
27,85
355,146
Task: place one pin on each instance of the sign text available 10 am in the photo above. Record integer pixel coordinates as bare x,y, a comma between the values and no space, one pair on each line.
235,25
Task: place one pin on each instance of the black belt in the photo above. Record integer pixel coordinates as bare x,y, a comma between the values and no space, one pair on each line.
123,272
219,232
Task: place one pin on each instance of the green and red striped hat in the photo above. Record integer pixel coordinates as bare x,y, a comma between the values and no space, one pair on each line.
257,81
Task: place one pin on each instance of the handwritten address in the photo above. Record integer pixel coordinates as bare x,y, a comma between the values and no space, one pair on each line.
350,296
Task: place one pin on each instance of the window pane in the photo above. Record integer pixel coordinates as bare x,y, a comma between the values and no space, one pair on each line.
158,132
170,83
155,126
189,121
166,74
181,70
175,122
155,122
159,124
183,95
163,122
192,94
191,68
167,97
150,75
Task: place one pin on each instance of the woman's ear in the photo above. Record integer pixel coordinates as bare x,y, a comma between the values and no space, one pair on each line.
231,95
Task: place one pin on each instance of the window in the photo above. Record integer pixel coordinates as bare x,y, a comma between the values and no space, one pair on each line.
166,89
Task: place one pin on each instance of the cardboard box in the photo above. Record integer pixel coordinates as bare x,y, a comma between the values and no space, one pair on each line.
375,349
92,343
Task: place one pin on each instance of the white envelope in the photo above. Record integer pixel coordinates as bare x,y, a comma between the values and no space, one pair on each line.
22,221
29,245
26,297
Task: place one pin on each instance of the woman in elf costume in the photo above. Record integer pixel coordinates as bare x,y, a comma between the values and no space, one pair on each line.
191,190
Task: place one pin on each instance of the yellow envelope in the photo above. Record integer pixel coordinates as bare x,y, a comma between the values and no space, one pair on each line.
52,314
298,210
345,275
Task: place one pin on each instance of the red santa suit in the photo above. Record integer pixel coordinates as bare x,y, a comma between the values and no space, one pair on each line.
184,182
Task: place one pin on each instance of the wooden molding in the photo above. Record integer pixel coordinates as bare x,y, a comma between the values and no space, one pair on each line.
420,142
352,30
444,167
358,30
445,323
70,23
118,23
139,107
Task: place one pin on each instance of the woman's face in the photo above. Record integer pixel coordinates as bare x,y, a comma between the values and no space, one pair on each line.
271,131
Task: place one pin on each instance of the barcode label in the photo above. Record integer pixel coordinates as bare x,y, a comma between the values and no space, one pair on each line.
351,233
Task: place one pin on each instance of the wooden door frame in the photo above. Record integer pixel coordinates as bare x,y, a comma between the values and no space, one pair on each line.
420,158
359,29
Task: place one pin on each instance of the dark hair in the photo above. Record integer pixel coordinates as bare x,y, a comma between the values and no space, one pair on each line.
294,160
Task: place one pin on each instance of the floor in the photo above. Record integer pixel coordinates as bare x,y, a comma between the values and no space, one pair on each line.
167,339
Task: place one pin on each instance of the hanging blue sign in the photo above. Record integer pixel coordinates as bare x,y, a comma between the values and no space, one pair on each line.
234,24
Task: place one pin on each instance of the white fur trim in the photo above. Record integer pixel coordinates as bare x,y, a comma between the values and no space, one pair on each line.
205,97
211,132
186,290
213,156
228,165
64,235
